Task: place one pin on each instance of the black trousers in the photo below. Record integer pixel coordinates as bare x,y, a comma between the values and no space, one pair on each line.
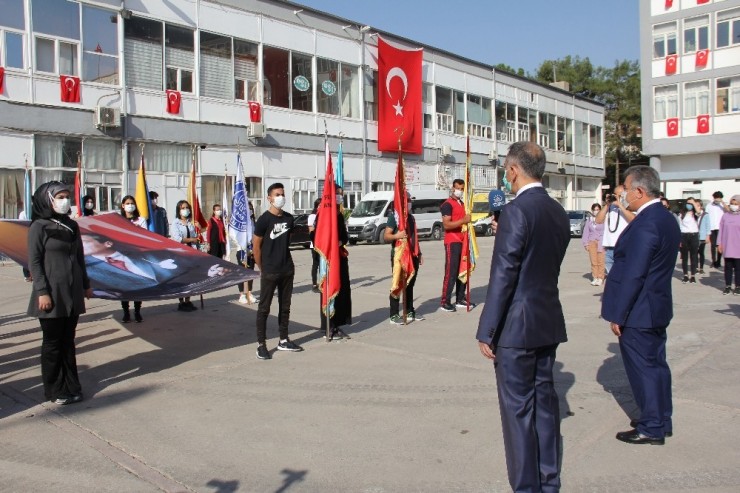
732,265
409,299
58,360
315,258
125,305
283,281
453,255
689,251
716,256
702,246
530,417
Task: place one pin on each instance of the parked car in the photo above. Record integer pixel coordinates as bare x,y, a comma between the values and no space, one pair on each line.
577,222
483,226
299,235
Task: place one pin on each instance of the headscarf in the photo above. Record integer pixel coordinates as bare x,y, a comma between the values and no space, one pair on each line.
42,208
85,211
736,197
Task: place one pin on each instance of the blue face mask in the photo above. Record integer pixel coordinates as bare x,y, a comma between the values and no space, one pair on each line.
507,184
689,207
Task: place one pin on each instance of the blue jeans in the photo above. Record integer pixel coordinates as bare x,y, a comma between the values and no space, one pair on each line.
609,259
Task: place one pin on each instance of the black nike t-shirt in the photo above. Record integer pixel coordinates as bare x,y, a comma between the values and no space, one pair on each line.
275,233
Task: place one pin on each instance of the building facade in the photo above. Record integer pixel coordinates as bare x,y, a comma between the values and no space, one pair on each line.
314,74
690,64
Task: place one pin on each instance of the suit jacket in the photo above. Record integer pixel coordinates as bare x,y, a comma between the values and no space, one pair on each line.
638,291
105,277
523,307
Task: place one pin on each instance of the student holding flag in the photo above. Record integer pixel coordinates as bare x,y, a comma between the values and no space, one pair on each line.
158,216
130,212
454,218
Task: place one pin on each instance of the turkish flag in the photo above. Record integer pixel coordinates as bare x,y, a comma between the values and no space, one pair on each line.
173,101
668,4
671,127
399,93
699,2
70,88
670,64
701,58
326,241
702,124
2,78
255,112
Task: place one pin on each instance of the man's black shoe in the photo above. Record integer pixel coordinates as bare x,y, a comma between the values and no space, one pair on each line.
634,437
633,424
449,307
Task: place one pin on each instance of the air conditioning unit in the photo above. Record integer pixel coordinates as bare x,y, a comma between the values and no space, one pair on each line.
561,167
446,151
492,156
256,130
107,117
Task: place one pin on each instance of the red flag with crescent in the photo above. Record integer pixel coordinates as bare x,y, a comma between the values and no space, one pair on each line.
2,78
255,112
399,98
70,88
700,2
670,64
173,101
702,124
668,4
671,127
702,56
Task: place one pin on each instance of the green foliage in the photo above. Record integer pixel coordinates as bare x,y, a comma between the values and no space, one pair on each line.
618,89
508,68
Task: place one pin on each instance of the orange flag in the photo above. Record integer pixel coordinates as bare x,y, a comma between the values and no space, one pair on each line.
198,218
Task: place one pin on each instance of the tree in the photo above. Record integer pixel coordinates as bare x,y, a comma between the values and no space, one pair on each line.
618,89
508,68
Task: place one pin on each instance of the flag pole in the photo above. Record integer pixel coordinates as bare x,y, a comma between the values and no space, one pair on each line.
402,213
326,277
467,228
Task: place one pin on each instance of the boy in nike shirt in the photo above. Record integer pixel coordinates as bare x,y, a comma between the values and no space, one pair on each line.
271,242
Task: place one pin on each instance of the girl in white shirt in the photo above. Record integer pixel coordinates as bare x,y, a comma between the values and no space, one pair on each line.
130,212
688,221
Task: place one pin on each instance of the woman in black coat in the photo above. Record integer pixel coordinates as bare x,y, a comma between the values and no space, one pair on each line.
217,233
57,263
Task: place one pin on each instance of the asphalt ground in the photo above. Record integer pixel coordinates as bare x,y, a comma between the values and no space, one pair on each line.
180,402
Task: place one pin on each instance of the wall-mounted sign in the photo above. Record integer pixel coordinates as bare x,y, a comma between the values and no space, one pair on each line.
329,88
301,83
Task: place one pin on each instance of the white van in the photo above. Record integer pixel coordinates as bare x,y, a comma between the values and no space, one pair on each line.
368,219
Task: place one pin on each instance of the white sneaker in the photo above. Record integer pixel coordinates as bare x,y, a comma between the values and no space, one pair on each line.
599,282
595,282
243,299
252,299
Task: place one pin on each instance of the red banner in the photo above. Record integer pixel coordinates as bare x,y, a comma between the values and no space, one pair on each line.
173,101
326,241
700,2
70,88
702,124
126,262
670,64
702,56
671,127
2,78
668,4
255,112
399,98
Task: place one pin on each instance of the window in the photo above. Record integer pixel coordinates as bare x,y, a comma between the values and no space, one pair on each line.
666,102
444,109
370,80
729,161
11,182
664,40
45,55
728,28
568,135
143,53
533,126
276,70
55,18
696,99
523,124
301,80
505,121
55,56
168,158
216,72
427,103
11,42
543,131
99,45
696,34
337,88
479,117
246,78
581,136
561,133
459,111
595,134
179,58
13,15
728,95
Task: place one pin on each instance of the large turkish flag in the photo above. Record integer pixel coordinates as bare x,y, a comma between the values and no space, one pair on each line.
399,98
173,101
702,124
70,88
672,127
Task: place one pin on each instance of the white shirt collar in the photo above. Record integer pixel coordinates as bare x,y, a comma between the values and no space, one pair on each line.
646,204
528,186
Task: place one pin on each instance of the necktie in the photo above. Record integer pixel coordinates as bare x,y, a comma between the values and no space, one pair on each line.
119,264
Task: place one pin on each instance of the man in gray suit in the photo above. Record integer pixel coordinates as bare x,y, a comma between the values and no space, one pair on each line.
522,321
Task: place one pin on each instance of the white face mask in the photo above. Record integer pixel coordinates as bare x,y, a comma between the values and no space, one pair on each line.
734,207
185,212
457,193
217,213
89,206
129,208
279,201
60,206
340,199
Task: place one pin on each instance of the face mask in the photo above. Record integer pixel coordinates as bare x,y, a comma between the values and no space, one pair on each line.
154,201
217,213
340,199
457,193
734,207
623,199
129,208
595,212
89,206
507,184
689,207
278,202
61,206
185,212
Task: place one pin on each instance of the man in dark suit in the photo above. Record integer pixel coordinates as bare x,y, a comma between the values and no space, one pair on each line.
522,322
639,304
